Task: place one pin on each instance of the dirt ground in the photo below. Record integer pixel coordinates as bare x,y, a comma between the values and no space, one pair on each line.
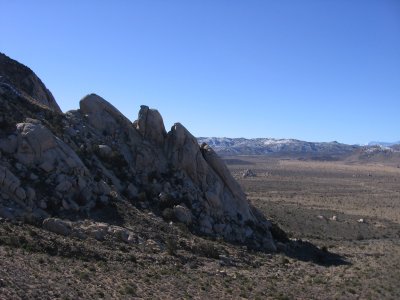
319,204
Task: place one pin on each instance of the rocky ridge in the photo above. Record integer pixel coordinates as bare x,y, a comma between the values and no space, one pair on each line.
24,82
58,168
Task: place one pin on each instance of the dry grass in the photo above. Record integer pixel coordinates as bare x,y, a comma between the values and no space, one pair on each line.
35,264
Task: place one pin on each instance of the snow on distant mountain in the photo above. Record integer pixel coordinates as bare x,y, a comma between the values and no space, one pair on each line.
383,144
263,146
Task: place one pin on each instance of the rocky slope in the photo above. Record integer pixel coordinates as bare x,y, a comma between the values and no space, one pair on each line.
57,169
268,146
25,83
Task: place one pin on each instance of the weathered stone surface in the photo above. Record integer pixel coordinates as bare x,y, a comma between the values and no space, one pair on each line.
132,191
9,183
38,146
31,194
64,186
9,144
183,152
89,158
57,226
183,214
102,115
6,213
151,125
231,195
26,83
105,151
20,193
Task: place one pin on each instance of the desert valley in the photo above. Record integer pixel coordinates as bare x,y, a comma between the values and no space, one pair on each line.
94,206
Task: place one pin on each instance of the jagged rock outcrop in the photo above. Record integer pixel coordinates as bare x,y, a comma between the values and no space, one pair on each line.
36,145
22,79
77,164
102,115
151,125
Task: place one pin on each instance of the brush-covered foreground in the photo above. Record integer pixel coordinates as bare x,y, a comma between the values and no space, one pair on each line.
350,213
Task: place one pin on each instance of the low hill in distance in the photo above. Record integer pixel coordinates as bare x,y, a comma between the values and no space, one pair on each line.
297,149
383,144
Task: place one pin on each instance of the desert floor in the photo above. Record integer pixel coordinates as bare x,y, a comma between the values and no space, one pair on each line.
349,211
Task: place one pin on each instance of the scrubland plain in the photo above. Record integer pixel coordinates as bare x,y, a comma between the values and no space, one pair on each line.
348,210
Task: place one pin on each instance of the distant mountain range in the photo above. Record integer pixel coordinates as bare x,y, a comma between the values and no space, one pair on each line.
291,147
263,146
383,144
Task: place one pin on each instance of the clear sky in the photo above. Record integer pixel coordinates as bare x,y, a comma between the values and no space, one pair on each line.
316,70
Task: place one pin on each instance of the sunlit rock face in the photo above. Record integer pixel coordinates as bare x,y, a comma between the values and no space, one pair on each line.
73,165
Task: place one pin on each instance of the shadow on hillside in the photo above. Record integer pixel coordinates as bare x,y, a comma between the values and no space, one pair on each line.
305,251
111,214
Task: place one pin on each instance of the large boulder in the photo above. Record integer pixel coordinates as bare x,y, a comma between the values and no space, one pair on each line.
151,126
57,226
183,153
230,193
37,146
102,115
11,185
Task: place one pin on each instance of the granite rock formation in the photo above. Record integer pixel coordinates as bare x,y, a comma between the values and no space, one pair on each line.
58,168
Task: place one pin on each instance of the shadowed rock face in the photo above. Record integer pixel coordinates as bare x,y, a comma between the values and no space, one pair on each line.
95,156
25,82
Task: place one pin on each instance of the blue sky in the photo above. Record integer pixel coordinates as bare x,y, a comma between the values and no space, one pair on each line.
317,70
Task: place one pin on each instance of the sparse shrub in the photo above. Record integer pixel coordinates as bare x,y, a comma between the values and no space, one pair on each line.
129,290
318,280
184,228
92,268
282,297
207,249
168,214
32,233
352,291
124,249
41,260
84,275
171,245
167,201
284,260
101,294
